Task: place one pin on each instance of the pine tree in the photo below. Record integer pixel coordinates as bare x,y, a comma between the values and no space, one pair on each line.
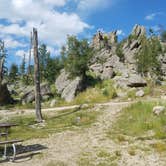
13,73
77,55
147,58
44,57
3,55
22,70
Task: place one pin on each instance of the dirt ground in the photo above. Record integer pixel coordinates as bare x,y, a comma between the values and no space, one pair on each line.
87,147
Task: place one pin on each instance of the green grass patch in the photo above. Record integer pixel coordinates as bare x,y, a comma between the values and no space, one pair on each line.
139,121
67,120
102,92
159,147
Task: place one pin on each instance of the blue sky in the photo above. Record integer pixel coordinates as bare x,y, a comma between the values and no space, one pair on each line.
54,19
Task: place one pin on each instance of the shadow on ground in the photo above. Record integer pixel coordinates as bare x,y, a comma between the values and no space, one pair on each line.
24,153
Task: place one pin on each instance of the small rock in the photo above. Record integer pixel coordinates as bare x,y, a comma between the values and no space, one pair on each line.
45,97
140,93
163,97
78,120
157,110
53,102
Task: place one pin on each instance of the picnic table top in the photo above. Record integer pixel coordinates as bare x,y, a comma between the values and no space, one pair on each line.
2,125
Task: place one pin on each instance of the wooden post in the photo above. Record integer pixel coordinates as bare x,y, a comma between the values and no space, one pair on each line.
30,49
1,70
37,77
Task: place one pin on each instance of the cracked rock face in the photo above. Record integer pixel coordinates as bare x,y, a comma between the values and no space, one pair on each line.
138,30
68,88
29,94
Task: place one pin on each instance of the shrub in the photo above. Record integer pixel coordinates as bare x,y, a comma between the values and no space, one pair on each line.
119,51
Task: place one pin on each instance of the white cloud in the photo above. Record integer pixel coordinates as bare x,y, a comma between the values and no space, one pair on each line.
120,32
21,54
10,43
56,2
53,26
152,16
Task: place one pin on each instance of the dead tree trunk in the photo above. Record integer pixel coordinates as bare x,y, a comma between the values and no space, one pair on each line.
1,70
37,77
30,49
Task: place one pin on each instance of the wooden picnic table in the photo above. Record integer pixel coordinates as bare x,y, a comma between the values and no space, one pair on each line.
4,132
5,127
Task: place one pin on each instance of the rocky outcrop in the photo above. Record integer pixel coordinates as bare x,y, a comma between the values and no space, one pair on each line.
67,87
132,80
162,59
29,93
106,64
101,40
5,97
138,31
133,44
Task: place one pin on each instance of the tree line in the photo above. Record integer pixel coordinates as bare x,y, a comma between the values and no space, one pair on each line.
75,58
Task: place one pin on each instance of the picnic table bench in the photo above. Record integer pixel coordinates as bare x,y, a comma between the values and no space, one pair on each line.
4,134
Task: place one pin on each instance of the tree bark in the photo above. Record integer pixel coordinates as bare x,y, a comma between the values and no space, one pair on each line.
37,77
1,70
30,49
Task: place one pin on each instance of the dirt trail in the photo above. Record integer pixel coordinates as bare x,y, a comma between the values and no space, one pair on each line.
44,110
69,147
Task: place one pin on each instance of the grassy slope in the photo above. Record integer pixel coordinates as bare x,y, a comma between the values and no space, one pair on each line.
64,120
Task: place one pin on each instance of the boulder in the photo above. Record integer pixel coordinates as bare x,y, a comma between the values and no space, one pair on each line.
29,94
163,97
5,97
157,110
136,81
140,93
108,73
62,81
67,87
71,90
133,80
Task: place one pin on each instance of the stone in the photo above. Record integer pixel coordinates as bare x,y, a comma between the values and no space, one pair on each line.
99,41
157,110
53,102
112,37
138,31
29,94
140,93
45,97
132,81
72,89
163,97
67,87
108,73
62,81
136,81
134,45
